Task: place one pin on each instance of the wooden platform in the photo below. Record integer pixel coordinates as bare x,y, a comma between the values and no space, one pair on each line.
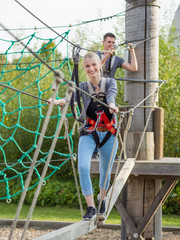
157,169
167,168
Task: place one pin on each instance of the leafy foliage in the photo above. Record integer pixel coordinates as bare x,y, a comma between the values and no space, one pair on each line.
169,96
56,192
172,204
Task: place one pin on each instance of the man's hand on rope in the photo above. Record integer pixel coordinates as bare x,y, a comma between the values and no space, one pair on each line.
59,102
130,47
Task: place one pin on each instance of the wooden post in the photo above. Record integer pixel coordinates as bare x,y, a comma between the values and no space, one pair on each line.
142,23
158,132
146,151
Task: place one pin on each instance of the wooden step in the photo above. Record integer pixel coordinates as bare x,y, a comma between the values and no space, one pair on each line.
71,231
120,181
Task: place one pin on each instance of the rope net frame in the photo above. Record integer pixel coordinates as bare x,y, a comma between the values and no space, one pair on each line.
46,137
21,116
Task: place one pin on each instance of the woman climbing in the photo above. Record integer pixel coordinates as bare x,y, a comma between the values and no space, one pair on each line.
97,130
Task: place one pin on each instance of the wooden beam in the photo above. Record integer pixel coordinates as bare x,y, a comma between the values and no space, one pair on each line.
70,232
120,181
136,232
125,216
157,168
159,199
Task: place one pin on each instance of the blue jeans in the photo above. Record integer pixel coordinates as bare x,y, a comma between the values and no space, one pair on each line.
86,148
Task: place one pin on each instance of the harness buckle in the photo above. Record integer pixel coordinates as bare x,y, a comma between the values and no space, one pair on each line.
99,113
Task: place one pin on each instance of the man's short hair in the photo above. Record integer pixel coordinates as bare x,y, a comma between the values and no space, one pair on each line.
109,35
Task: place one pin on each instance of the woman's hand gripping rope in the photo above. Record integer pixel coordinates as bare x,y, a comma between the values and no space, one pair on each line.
61,102
58,102
113,108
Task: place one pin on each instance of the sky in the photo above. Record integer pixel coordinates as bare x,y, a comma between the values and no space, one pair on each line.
63,13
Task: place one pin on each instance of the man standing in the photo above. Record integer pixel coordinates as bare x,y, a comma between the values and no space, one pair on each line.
111,62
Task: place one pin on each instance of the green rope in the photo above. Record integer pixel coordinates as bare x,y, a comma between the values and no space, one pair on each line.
21,116
73,25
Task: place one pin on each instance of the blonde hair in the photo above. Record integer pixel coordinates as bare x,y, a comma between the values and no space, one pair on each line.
92,55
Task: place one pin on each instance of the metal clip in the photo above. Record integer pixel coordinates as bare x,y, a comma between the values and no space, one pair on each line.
97,122
76,51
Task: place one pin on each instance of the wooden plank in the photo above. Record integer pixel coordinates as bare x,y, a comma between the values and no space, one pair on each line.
70,232
120,181
156,168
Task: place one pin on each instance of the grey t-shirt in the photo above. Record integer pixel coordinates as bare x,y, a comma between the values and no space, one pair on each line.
111,65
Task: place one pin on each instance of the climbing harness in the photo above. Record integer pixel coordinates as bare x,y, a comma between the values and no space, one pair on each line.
107,67
101,119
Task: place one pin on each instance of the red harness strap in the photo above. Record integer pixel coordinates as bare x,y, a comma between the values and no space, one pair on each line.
107,123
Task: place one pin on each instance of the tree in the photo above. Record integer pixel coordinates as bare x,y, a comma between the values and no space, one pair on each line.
169,95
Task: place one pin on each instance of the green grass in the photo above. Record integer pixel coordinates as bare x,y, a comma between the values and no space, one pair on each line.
7,211
171,220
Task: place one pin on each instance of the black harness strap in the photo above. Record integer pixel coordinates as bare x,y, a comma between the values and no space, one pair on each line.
96,138
109,66
75,77
107,70
77,84
72,98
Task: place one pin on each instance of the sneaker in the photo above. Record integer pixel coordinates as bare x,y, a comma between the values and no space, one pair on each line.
102,210
90,214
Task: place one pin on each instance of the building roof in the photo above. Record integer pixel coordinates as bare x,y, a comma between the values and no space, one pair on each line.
176,20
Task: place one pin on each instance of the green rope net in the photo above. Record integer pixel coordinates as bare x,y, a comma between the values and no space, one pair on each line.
21,116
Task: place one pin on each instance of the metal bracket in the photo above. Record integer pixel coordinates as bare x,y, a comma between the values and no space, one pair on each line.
75,54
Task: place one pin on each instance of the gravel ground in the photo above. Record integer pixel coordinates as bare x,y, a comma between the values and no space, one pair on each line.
105,234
